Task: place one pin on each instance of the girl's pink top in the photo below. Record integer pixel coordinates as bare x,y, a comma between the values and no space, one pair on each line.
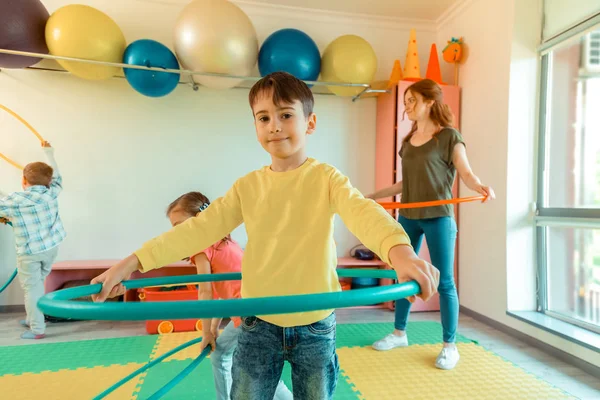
225,257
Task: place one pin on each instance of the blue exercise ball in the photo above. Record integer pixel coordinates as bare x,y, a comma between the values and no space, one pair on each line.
291,51
150,53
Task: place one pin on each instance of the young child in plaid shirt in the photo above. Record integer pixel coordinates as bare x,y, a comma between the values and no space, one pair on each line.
38,231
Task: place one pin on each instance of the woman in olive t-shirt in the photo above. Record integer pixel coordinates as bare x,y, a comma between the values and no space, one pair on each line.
431,154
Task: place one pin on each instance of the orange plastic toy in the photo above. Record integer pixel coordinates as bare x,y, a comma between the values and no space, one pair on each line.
453,54
190,292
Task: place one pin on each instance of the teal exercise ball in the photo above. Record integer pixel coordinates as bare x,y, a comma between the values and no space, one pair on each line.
291,51
150,53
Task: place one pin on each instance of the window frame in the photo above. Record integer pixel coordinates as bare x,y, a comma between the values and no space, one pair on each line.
547,217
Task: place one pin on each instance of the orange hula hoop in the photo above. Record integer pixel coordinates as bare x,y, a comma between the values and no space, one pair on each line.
396,205
21,120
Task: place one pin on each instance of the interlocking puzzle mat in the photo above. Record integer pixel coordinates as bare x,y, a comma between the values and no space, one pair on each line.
83,369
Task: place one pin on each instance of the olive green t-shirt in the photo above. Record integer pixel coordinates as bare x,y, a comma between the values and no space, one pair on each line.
428,174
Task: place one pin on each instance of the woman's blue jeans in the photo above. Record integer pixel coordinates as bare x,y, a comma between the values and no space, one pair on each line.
440,234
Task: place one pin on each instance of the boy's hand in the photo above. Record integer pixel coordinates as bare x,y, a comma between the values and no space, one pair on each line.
46,144
410,267
111,279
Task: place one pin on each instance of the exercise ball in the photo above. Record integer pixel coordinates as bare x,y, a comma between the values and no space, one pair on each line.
22,25
348,59
150,53
292,51
216,36
81,31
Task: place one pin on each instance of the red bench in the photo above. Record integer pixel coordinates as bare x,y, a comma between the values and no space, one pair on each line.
74,270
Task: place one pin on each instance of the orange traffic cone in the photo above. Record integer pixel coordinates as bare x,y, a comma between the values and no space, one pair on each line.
411,65
396,75
433,67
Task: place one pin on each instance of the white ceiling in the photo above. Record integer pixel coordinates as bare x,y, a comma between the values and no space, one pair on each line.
412,9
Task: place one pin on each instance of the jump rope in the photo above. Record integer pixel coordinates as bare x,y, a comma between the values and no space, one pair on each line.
60,303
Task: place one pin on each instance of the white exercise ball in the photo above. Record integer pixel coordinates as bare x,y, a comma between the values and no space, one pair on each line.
216,36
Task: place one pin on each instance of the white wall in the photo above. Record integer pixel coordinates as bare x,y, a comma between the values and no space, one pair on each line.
124,157
560,15
498,118
484,109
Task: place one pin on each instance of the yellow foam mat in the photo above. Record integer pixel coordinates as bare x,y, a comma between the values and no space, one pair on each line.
167,342
410,373
82,383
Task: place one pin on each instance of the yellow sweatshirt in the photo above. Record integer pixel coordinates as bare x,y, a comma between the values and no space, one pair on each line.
289,219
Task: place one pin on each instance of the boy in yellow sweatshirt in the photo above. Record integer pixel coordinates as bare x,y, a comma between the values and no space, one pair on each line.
288,210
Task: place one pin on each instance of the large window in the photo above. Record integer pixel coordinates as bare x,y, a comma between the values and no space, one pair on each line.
568,204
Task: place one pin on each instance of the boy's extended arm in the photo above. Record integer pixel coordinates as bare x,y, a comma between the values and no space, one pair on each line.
6,204
56,184
193,235
377,230
368,221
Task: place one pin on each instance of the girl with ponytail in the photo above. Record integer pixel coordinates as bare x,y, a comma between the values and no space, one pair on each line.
432,152
225,256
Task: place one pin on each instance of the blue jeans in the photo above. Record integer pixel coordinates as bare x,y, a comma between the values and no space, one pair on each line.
440,234
221,359
263,347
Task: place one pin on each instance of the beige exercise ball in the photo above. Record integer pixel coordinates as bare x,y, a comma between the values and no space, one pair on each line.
216,36
348,59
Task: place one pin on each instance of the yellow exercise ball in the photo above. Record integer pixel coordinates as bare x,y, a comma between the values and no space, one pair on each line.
348,59
81,31
216,36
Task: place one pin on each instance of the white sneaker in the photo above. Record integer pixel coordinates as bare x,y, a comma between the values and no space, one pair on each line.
391,341
448,358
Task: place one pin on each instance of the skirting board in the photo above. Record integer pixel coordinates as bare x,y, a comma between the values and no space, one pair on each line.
15,308
561,355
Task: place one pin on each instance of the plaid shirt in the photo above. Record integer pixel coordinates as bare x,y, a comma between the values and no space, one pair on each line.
34,215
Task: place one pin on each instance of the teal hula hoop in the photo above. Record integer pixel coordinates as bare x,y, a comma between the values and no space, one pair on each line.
60,303
9,281
14,273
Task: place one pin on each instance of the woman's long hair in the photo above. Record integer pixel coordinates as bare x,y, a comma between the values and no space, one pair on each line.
440,113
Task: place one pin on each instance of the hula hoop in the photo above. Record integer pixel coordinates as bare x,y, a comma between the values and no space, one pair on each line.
13,275
9,281
152,363
60,304
28,125
396,205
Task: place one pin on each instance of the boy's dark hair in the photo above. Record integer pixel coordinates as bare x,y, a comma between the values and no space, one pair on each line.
38,173
286,89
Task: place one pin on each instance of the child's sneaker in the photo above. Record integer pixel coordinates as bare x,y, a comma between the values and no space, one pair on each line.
24,323
448,358
31,335
391,341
